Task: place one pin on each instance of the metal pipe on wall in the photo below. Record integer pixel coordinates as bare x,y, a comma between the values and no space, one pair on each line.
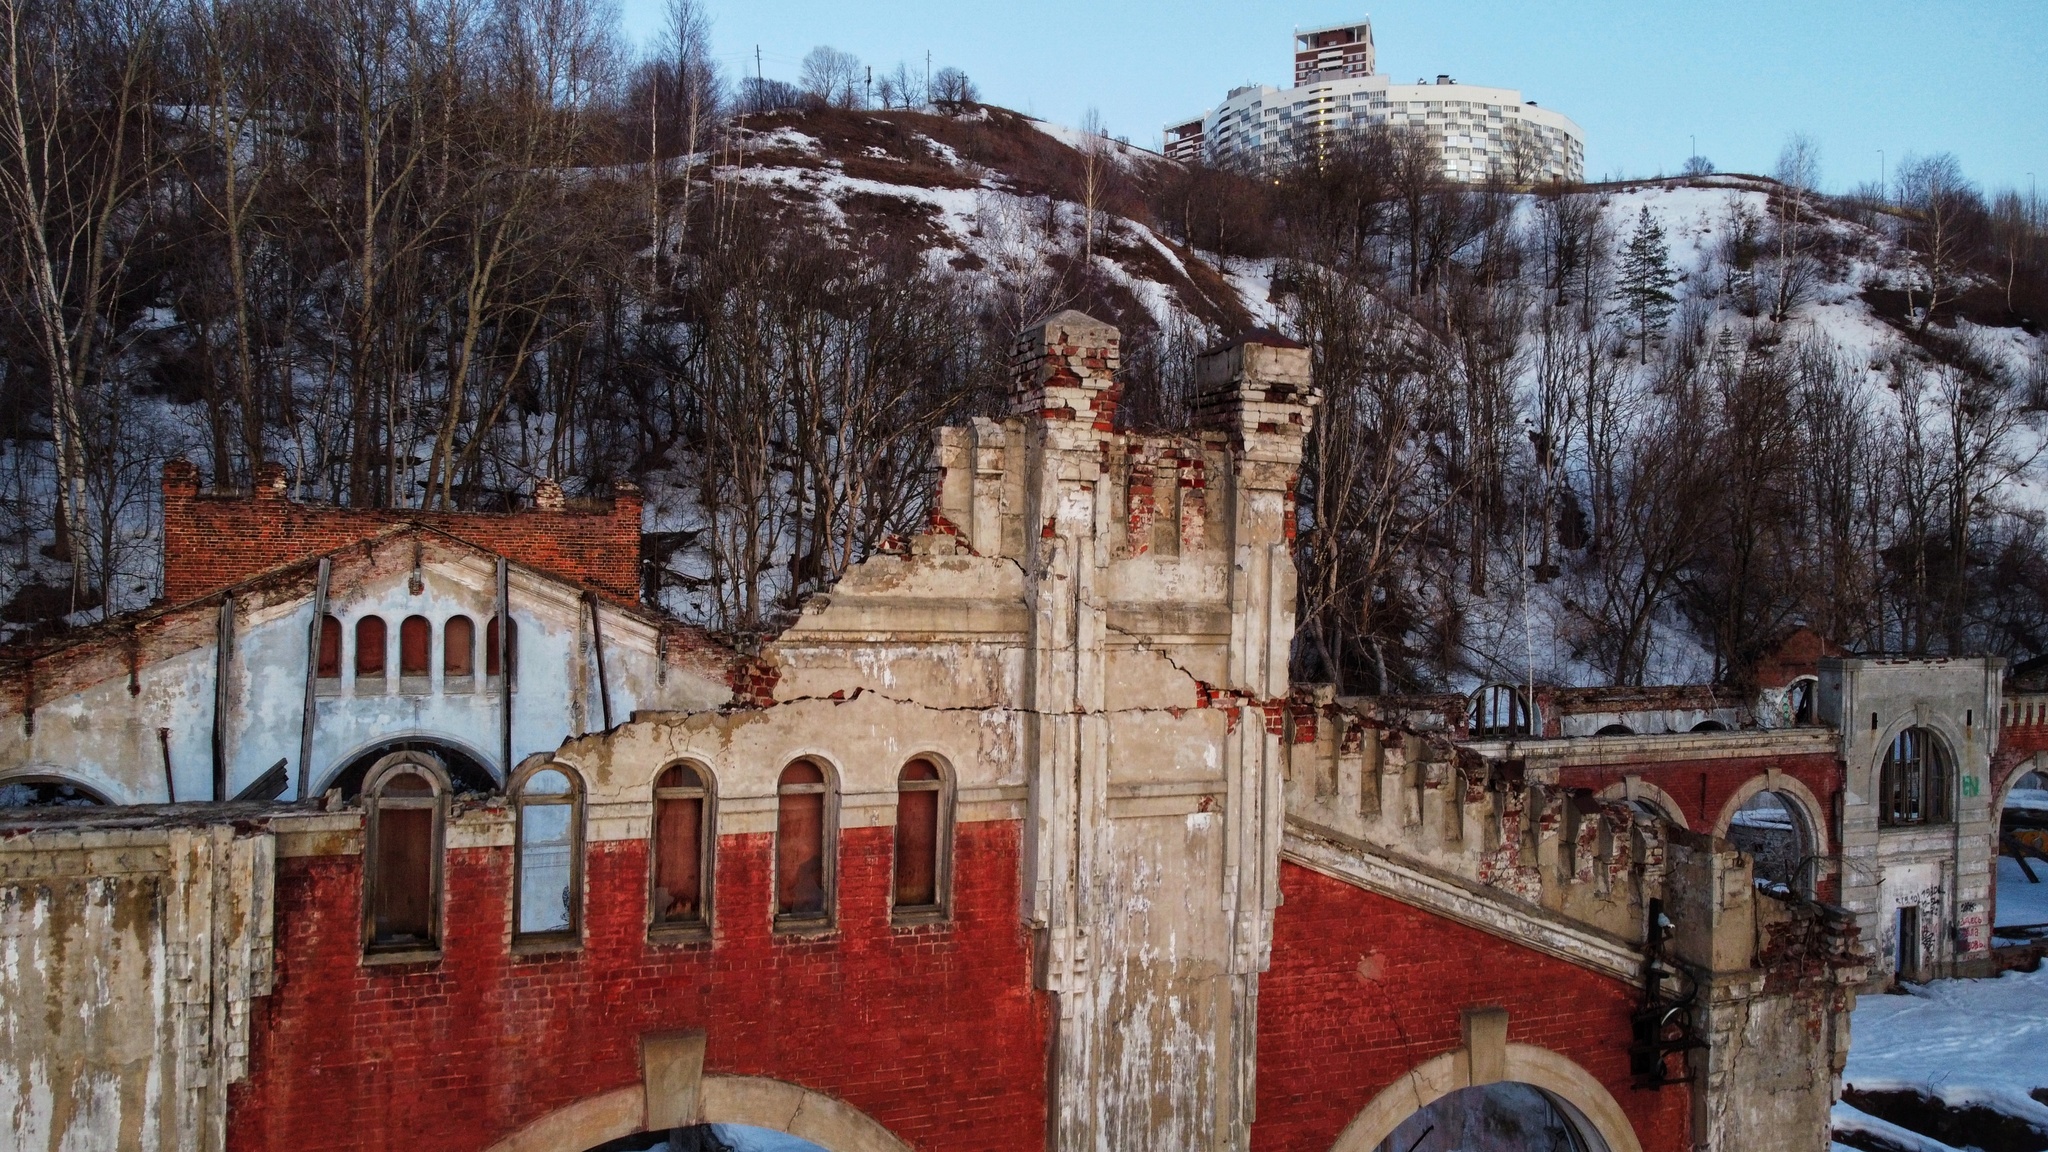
505,664
312,674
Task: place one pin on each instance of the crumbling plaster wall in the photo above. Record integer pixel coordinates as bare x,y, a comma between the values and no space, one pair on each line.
128,960
92,713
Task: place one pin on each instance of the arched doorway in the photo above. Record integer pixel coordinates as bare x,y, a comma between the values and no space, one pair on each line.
711,1138
1770,827
769,1109
1590,1113
1508,1116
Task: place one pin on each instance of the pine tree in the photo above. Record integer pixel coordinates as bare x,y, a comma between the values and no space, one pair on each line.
1645,282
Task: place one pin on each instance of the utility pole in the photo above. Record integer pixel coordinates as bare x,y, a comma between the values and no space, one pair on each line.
1884,195
871,86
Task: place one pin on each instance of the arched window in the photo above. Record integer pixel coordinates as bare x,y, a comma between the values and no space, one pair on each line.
921,824
548,833
415,646
329,664
406,808
1801,702
1615,730
1915,782
683,843
496,663
1772,828
1499,710
370,648
47,792
804,812
1710,726
458,649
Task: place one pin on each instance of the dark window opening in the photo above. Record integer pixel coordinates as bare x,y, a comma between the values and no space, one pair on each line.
329,665
370,647
402,871
43,792
1499,710
415,646
1906,960
1710,726
549,834
1772,828
458,648
682,847
1802,702
495,662
803,867
1615,730
920,791
1916,780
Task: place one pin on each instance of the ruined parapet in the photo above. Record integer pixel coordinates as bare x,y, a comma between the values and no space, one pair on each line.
1451,822
137,945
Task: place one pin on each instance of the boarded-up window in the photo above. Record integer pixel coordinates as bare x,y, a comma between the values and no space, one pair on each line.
458,648
682,840
919,790
370,646
548,849
415,646
803,877
329,666
495,662
404,835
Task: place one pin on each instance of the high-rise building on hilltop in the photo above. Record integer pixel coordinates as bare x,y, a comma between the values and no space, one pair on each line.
1485,133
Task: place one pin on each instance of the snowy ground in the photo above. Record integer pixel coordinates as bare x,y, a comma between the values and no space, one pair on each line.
2019,902
1970,1044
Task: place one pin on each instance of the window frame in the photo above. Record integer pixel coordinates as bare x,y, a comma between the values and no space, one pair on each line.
409,681
452,680
707,853
1934,779
355,662
941,907
552,940
374,803
794,923
330,624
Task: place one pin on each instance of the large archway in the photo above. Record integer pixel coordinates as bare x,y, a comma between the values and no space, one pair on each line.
711,1138
1569,1092
1778,821
1508,1116
743,1101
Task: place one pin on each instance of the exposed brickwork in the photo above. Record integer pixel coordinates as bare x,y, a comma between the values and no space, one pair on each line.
1702,787
1364,988
934,1032
211,541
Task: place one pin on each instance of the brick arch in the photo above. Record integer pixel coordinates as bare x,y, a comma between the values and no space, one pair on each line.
756,1101
1435,1079
1811,809
1630,788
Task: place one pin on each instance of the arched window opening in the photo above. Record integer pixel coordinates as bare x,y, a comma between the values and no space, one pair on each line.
1710,726
684,838
1504,1114
370,648
921,856
458,649
1499,710
803,845
1916,780
1801,701
549,850
498,661
328,666
1615,730
1770,827
47,792
402,857
415,646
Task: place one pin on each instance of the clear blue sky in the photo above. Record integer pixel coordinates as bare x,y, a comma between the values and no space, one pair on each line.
1640,76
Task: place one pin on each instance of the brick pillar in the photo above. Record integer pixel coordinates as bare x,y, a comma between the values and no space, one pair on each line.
1064,368
181,532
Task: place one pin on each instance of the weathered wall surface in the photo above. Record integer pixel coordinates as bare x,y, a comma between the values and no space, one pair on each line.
934,1030
129,958
1364,988
108,710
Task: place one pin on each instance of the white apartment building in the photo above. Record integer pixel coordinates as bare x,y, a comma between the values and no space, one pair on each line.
1484,132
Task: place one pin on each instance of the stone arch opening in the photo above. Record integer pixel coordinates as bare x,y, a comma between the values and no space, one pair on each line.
1573,1093
1778,821
467,772
776,1107
1507,1116
711,1138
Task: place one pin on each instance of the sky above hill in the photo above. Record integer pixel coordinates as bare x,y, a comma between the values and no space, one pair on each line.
1642,79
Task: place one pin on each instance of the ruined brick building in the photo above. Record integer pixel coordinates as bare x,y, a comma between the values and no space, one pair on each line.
407,830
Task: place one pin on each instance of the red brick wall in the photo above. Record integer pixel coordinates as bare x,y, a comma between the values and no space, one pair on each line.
1702,787
1364,988
211,541
934,1032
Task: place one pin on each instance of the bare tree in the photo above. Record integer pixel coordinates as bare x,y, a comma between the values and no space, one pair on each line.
1941,208
952,90
830,76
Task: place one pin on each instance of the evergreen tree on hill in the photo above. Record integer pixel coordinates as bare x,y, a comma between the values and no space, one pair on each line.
1645,282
